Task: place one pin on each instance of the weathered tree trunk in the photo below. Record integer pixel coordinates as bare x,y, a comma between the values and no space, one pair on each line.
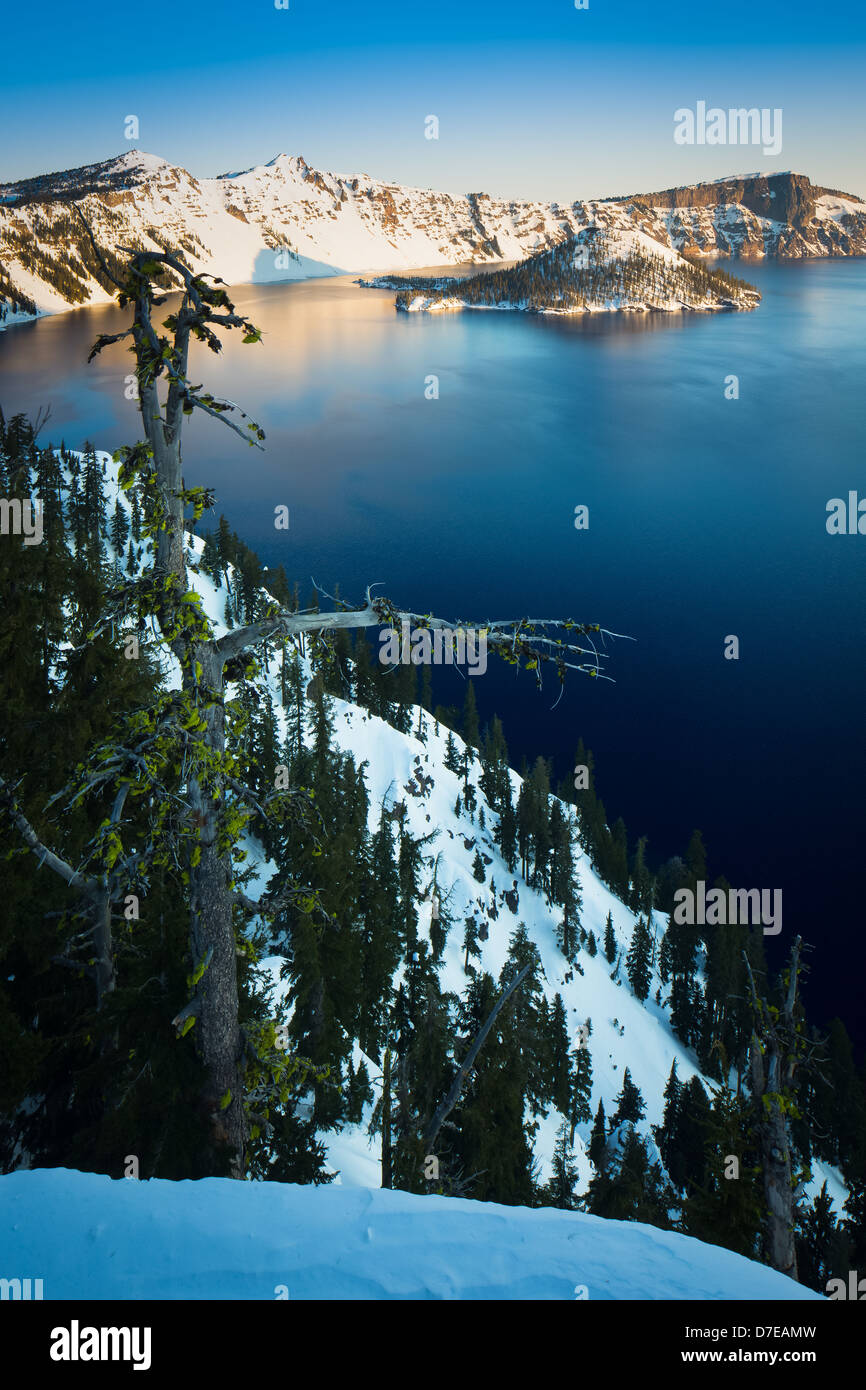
104,952
776,1164
211,931
774,1056
386,1120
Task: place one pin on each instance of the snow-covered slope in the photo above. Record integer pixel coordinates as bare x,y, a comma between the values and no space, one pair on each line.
404,767
284,220
92,1237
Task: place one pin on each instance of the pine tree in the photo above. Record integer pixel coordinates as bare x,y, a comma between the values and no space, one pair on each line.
642,888
822,1248
696,860
617,867
686,1137
210,559
598,1137
581,1088
507,832
610,946
119,530
721,1208
560,1069
630,1189
452,757
630,1104
638,960
559,1191
470,944
471,733
666,1133
496,1155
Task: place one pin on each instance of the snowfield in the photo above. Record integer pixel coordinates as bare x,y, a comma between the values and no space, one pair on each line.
92,1237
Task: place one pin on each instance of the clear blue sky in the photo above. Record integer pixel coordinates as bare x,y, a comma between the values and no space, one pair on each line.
534,97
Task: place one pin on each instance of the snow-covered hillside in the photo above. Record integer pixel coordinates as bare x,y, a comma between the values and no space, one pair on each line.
404,767
92,1237
284,220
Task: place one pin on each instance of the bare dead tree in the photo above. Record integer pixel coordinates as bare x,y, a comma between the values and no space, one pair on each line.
207,662
99,892
443,1110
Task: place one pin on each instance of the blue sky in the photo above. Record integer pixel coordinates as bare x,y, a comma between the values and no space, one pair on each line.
534,99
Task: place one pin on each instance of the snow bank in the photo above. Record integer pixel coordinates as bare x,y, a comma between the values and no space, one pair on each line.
91,1237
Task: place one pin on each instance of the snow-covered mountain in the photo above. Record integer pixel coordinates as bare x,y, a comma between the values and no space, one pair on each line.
285,220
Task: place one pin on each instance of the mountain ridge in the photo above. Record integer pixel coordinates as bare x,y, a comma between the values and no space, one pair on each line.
286,220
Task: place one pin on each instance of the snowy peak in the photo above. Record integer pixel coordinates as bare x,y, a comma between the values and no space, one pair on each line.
124,171
286,220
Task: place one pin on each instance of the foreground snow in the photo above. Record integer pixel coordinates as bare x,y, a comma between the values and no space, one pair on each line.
92,1237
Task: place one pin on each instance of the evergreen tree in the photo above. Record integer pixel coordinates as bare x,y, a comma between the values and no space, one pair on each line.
630,1104
119,530
638,960
666,1133
631,1189
720,1208
470,730
642,886
560,1084
822,1248
492,1145
610,946
598,1137
452,757
581,1089
470,944
559,1191
507,833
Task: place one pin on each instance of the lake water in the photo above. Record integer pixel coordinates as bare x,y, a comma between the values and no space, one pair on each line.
707,518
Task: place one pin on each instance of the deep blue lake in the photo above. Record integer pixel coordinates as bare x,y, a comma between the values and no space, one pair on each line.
707,518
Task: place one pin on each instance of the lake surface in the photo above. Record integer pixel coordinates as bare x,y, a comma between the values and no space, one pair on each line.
707,518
